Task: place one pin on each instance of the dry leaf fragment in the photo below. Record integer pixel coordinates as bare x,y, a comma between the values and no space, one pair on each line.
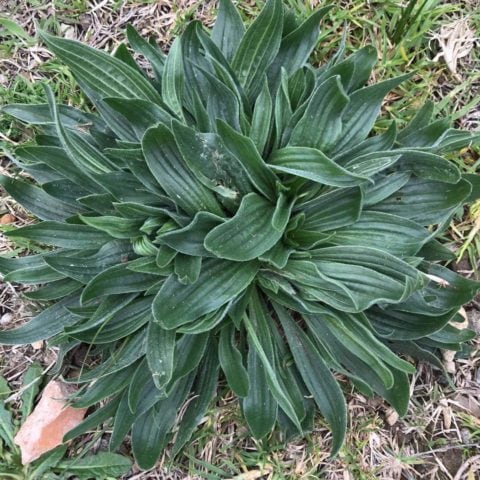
7,219
456,41
391,416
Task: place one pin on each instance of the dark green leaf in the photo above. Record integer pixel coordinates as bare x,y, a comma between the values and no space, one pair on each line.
152,53
204,389
189,240
312,164
317,377
262,118
31,386
187,268
362,111
116,227
324,110
141,114
425,201
166,164
102,73
46,324
259,406
259,47
160,349
231,361
219,281
116,280
37,200
297,46
85,267
172,78
100,466
228,29
249,233
244,150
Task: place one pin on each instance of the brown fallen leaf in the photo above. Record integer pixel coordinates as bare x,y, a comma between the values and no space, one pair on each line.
7,219
51,419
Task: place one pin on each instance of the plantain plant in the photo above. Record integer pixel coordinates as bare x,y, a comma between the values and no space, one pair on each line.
236,217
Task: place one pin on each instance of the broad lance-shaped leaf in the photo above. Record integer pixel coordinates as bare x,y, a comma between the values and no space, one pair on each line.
317,377
354,70
250,232
282,108
167,165
116,227
160,351
305,275
63,235
390,323
231,361
34,275
212,164
425,201
259,406
87,266
54,290
129,319
57,159
370,275
194,64
228,29
375,143
106,310
222,103
219,282
141,114
101,72
40,115
40,203
150,430
244,150
394,234
89,159
354,331
172,79
187,268
274,385
385,185
372,163
321,124
100,465
189,239
332,210
116,280
46,324
397,396
363,110
8,265
204,389
207,322
312,164
262,118
297,46
259,47
429,166
151,52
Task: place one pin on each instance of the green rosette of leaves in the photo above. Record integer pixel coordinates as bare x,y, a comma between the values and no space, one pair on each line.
234,216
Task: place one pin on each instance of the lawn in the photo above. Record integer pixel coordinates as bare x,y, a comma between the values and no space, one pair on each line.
436,41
